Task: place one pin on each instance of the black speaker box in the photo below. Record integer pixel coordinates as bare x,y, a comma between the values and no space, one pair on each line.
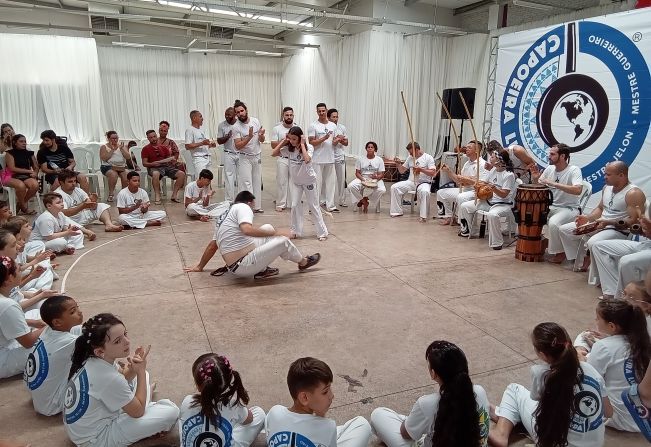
453,102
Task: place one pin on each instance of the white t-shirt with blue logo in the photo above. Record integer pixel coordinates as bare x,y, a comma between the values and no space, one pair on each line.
611,357
285,428
196,430
47,369
423,415
587,427
93,399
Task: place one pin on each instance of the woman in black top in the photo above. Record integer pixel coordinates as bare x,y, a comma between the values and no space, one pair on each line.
22,165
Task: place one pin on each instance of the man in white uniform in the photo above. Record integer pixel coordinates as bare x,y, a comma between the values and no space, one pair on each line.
566,183
59,233
133,205
620,263
617,210
225,136
369,167
465,180
249,133
340,141
503,185
81,208
420,180
198,143
197,198
278,133
321,134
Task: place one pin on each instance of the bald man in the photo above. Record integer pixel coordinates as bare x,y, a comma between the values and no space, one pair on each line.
618,209
622,262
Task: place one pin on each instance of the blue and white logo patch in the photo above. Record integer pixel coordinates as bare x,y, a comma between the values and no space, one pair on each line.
584,84
37,366
198,432
76,398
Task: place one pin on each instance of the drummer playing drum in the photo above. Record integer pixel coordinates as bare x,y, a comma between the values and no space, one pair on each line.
566,182
369,172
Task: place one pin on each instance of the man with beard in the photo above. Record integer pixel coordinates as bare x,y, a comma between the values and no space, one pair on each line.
320,135
339,142
197,142
249,133
163,129
225,132
278,134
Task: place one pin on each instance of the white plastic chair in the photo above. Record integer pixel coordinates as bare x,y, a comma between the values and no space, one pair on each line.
586,192
136,151
189,165
11,193
85,165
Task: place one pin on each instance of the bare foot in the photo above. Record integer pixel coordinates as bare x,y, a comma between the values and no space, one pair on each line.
204,218
153,223
69,251
91,235
557,258
113,228
446,221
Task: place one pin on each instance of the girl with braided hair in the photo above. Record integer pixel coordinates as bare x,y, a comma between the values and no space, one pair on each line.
567,403
217,415
455,416
107,405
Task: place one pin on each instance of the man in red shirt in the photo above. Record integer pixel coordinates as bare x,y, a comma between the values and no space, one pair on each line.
159,162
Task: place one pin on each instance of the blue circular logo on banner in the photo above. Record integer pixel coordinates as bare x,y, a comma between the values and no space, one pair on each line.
558,93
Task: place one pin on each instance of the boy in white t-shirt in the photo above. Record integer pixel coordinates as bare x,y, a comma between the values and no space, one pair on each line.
48,365
305,423
59,233
133,205
197,198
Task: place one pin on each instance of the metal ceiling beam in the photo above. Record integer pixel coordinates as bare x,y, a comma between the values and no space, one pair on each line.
473,6
410,2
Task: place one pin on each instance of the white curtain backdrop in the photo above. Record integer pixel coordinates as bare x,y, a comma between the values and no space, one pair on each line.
365,83
50,82
142,87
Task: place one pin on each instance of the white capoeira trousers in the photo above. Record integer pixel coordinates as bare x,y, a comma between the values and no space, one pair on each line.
340,186
518,406
88,216
231,163
46,279
244,435
297,216
493,220
212,210
140,220
201,162
572,242
159,417
354,433
325,182
249,176
399,189
60,244
386,425
357,192
620,263
266,251
558,216
12,359
447,196
284,185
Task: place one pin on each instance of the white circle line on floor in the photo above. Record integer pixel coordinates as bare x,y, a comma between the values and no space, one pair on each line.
65,276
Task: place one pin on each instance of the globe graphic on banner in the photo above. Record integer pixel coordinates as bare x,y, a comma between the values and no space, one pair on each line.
573,118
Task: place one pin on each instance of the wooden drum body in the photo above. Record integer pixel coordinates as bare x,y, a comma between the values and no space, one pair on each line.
532,204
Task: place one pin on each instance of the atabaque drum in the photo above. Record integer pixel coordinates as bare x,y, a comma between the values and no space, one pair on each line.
532,206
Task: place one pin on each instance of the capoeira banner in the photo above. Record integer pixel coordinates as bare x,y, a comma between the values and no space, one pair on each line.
583,83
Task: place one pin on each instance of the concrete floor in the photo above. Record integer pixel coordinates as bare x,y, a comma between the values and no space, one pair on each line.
385,288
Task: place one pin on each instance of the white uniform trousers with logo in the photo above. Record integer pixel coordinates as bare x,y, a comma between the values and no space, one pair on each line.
297,216
325,182
159,417
399,189
249,176
231,164
340,187
620,263
266,251
374,194
558,216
